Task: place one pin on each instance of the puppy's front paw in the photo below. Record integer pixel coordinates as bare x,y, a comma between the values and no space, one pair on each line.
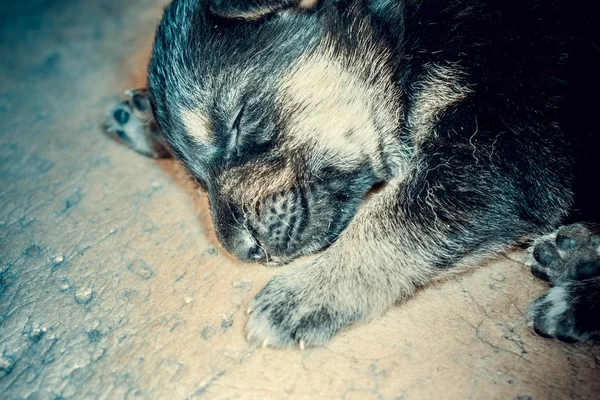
568,312
131,123
296,310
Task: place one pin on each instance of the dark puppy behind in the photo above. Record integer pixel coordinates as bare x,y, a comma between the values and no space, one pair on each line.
289,112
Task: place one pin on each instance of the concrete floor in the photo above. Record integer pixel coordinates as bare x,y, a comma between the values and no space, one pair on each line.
113,286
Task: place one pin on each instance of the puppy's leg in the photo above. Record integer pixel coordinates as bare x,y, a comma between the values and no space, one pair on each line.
448,209
570,261
131,122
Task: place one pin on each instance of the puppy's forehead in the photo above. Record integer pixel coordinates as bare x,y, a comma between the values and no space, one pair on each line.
277,40
236,62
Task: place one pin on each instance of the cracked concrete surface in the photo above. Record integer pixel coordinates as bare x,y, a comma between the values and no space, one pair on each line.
113,286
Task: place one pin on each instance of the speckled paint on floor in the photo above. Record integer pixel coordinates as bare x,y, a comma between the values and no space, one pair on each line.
113,286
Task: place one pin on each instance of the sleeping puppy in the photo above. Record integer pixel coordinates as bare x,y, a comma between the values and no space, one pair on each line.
404,140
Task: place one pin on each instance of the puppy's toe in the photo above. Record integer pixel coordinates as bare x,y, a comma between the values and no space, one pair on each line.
545,254
139,100
572,237
546,262
117,123
121,115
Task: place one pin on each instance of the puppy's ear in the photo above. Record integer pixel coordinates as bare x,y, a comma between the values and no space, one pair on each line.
255,9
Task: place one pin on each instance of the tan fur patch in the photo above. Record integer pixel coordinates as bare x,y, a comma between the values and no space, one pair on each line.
197,125
439,88
308,4
335,113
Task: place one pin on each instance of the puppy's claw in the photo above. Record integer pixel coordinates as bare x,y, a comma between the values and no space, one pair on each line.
265,343
301,344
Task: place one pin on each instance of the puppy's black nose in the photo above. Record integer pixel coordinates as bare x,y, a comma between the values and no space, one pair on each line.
256,254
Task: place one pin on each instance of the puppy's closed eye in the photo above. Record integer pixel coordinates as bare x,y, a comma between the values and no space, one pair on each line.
233,147
249,133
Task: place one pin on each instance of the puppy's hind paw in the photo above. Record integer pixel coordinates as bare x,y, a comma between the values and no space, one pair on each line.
131,123
569,254
568,312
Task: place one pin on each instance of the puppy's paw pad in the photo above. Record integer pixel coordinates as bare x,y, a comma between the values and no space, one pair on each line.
119,124
121,116
139,100
571,253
